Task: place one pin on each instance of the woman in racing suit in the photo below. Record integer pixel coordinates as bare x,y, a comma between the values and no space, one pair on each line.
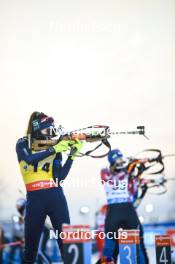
39,170
121,183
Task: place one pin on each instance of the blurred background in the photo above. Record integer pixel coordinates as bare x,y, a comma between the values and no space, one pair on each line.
85,63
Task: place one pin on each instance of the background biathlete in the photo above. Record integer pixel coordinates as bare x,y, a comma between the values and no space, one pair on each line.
121,183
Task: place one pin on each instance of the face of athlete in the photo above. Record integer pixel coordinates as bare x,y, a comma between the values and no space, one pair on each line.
49,131
119,165
46,131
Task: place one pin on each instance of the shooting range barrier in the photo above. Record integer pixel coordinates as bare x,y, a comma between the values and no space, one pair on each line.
77,244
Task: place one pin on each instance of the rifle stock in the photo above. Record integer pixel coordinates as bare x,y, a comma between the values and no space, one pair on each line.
38,144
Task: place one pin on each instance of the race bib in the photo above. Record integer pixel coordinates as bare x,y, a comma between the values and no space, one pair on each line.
117,189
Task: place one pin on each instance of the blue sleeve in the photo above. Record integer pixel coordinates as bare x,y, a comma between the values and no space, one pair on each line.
24,153
60,172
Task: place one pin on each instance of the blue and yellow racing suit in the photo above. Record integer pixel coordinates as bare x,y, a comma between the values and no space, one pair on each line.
44,198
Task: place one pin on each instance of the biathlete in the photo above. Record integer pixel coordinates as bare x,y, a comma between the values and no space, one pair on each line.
121,183
39,169
17,231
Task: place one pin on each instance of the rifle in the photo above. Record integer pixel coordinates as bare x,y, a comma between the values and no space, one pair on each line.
96,133
156,179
